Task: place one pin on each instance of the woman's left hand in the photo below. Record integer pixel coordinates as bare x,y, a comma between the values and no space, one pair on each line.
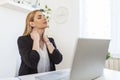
49,44
46,39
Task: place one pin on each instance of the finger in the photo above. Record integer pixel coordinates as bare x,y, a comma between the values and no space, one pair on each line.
46,38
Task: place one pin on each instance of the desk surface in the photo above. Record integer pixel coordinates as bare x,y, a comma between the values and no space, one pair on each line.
10,78
108,75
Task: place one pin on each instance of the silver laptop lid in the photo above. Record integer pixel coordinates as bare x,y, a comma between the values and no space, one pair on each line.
89,58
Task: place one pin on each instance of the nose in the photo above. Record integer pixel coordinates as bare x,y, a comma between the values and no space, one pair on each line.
44,16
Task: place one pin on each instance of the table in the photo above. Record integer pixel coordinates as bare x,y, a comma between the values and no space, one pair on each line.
108,75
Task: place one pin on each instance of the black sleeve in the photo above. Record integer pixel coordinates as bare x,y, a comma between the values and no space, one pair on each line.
56,56
29,57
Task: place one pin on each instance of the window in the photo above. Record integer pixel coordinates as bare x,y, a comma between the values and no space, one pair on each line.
95,18
101,19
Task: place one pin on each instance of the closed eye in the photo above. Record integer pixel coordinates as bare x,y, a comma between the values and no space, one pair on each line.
39,16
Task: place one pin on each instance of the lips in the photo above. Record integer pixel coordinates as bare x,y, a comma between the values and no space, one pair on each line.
45,22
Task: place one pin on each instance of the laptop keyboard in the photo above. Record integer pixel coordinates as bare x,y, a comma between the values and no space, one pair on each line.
64,78
57,75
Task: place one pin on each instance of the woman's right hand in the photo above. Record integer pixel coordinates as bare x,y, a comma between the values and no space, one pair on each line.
35,35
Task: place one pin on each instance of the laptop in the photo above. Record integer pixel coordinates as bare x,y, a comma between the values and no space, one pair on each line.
89,59
88,62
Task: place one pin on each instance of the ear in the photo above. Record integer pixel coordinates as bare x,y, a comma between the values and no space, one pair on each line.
32,24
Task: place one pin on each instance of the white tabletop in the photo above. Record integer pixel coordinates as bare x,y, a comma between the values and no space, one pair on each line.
108,75
10,78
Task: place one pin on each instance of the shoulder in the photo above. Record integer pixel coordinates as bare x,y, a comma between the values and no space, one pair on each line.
24,38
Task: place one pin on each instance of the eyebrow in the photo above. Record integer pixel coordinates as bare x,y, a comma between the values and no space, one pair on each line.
39,15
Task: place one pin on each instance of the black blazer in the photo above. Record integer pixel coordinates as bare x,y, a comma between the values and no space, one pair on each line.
30,58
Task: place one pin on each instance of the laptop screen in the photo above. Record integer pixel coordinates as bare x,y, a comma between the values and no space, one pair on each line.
89,58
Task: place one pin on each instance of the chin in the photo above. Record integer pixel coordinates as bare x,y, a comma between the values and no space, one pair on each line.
44,27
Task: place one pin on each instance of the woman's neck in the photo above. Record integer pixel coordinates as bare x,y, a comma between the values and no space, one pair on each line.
41,33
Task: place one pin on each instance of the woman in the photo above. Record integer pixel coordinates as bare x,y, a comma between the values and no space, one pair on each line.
38,52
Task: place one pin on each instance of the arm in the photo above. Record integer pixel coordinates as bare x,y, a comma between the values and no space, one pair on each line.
29,57
55,56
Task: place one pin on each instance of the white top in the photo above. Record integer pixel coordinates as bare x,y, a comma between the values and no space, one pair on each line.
44,63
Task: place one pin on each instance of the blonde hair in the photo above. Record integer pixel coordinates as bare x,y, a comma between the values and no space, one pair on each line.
30,18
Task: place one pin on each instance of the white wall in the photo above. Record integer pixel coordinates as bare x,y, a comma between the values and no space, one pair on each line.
115,31
12,26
